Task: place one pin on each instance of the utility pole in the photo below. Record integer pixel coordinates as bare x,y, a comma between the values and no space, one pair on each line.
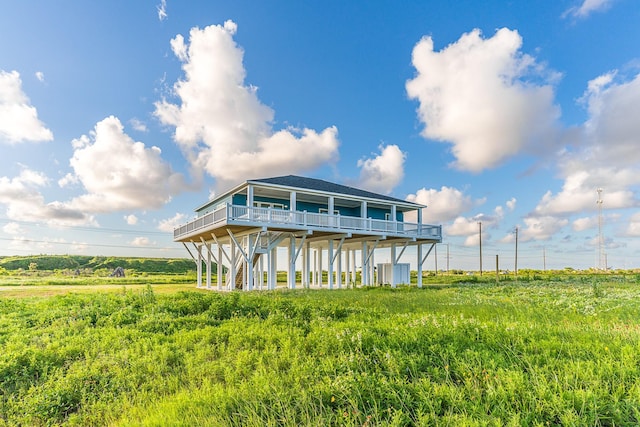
602,264
447,258
480,234
435,257
516,266
497,270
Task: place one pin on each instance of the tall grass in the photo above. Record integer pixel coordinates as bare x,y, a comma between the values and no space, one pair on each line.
466,354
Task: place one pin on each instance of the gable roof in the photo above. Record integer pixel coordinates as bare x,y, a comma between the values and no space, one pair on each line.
326,187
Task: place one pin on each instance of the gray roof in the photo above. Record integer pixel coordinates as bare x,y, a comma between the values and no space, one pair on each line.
326,186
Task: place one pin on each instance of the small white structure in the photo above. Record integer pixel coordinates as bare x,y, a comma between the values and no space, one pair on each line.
325,227
390,274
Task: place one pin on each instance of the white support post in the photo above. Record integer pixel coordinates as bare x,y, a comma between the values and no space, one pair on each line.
314,273
208,266
353,269
232,281
320,278
199,269
250,195
347,267
249,269
372,267
291,276
306,265
365,264
292,201
339,269
393,266
219,268
331,260
419,278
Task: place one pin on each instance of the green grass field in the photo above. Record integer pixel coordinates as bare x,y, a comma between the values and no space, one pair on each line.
537,353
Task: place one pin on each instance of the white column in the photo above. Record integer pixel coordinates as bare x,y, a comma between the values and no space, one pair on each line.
365,265
330,264
320,279
260,272
306,264
249,283
292,201
250,195
291,276
353,269
199,268
419,265
219,268
339,269
347,268
393,266
208,246
232,281
372,267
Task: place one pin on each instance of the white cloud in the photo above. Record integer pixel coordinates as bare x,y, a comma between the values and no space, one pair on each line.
383,172
13,228
138,125
170,223
162,10
585,223
40,76
542,227
587,7
24,202
119,173
607,156
18,118
442,205
480,95
633,229
511,204
141,241
221,125
131,219
67,180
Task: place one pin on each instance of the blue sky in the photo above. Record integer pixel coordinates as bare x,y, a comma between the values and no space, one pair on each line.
118,118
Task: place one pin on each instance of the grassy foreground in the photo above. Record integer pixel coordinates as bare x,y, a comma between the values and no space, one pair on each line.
475,354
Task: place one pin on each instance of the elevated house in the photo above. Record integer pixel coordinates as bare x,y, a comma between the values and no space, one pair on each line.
325,227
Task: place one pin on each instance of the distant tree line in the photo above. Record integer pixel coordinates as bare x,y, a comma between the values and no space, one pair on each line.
85,262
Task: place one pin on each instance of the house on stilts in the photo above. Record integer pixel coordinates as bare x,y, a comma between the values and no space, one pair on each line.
325,227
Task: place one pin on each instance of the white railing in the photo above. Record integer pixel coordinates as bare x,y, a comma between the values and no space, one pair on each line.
240,215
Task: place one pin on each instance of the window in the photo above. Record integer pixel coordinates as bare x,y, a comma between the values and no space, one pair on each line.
269,205
326,211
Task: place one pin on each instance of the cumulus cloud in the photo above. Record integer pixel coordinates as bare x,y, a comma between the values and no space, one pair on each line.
131,219
18,118
24,202
141,241
170,223
470,226
442,205
220,121
119,173
383,172
633,229
40,76
542,227
484,97
584,223
587,7
13,228
608,156
138,125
